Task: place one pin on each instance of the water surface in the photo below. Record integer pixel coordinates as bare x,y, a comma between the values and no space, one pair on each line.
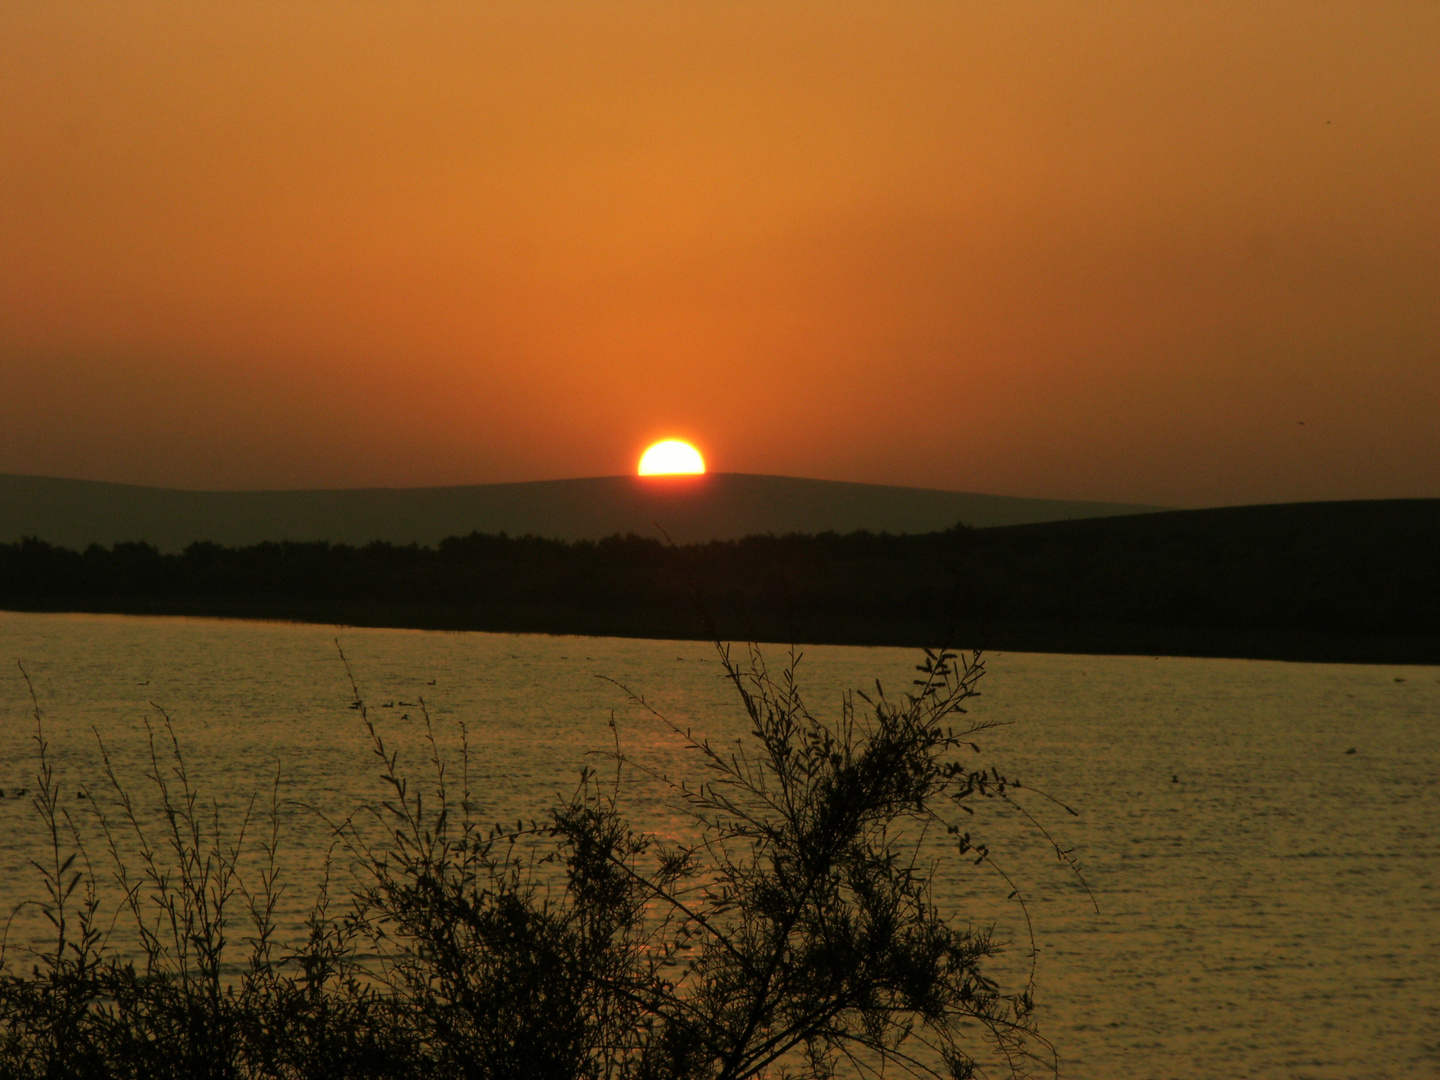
1269,902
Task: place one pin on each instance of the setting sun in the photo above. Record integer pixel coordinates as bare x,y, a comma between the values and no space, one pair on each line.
669,457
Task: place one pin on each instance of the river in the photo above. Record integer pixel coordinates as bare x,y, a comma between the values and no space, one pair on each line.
1262,839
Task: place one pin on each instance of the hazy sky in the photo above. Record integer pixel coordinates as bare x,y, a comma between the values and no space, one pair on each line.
1110,251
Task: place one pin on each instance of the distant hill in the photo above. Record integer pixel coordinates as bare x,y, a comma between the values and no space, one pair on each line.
717,506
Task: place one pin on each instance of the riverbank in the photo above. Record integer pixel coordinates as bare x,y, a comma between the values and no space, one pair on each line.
1097,639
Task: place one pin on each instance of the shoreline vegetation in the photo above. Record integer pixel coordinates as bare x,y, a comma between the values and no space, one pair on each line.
1355,582
792,927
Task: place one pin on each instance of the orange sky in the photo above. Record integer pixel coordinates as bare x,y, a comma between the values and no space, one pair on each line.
1109,251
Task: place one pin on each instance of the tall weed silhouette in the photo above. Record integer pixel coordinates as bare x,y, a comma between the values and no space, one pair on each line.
794,932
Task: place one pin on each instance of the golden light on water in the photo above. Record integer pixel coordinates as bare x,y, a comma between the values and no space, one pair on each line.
670,457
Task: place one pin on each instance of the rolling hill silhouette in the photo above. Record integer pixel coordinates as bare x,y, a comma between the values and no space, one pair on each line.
690,509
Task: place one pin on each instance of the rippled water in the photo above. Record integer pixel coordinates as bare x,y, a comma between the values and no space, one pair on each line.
1269,903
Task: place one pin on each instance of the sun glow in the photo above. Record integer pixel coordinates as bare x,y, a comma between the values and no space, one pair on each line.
670,457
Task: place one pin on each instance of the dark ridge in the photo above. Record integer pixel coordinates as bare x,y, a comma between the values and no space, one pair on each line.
1344,581
690,509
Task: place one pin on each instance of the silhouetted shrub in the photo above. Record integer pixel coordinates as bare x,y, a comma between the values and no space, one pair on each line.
795,933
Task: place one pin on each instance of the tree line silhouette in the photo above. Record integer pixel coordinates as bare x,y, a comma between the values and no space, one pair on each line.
1325,581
